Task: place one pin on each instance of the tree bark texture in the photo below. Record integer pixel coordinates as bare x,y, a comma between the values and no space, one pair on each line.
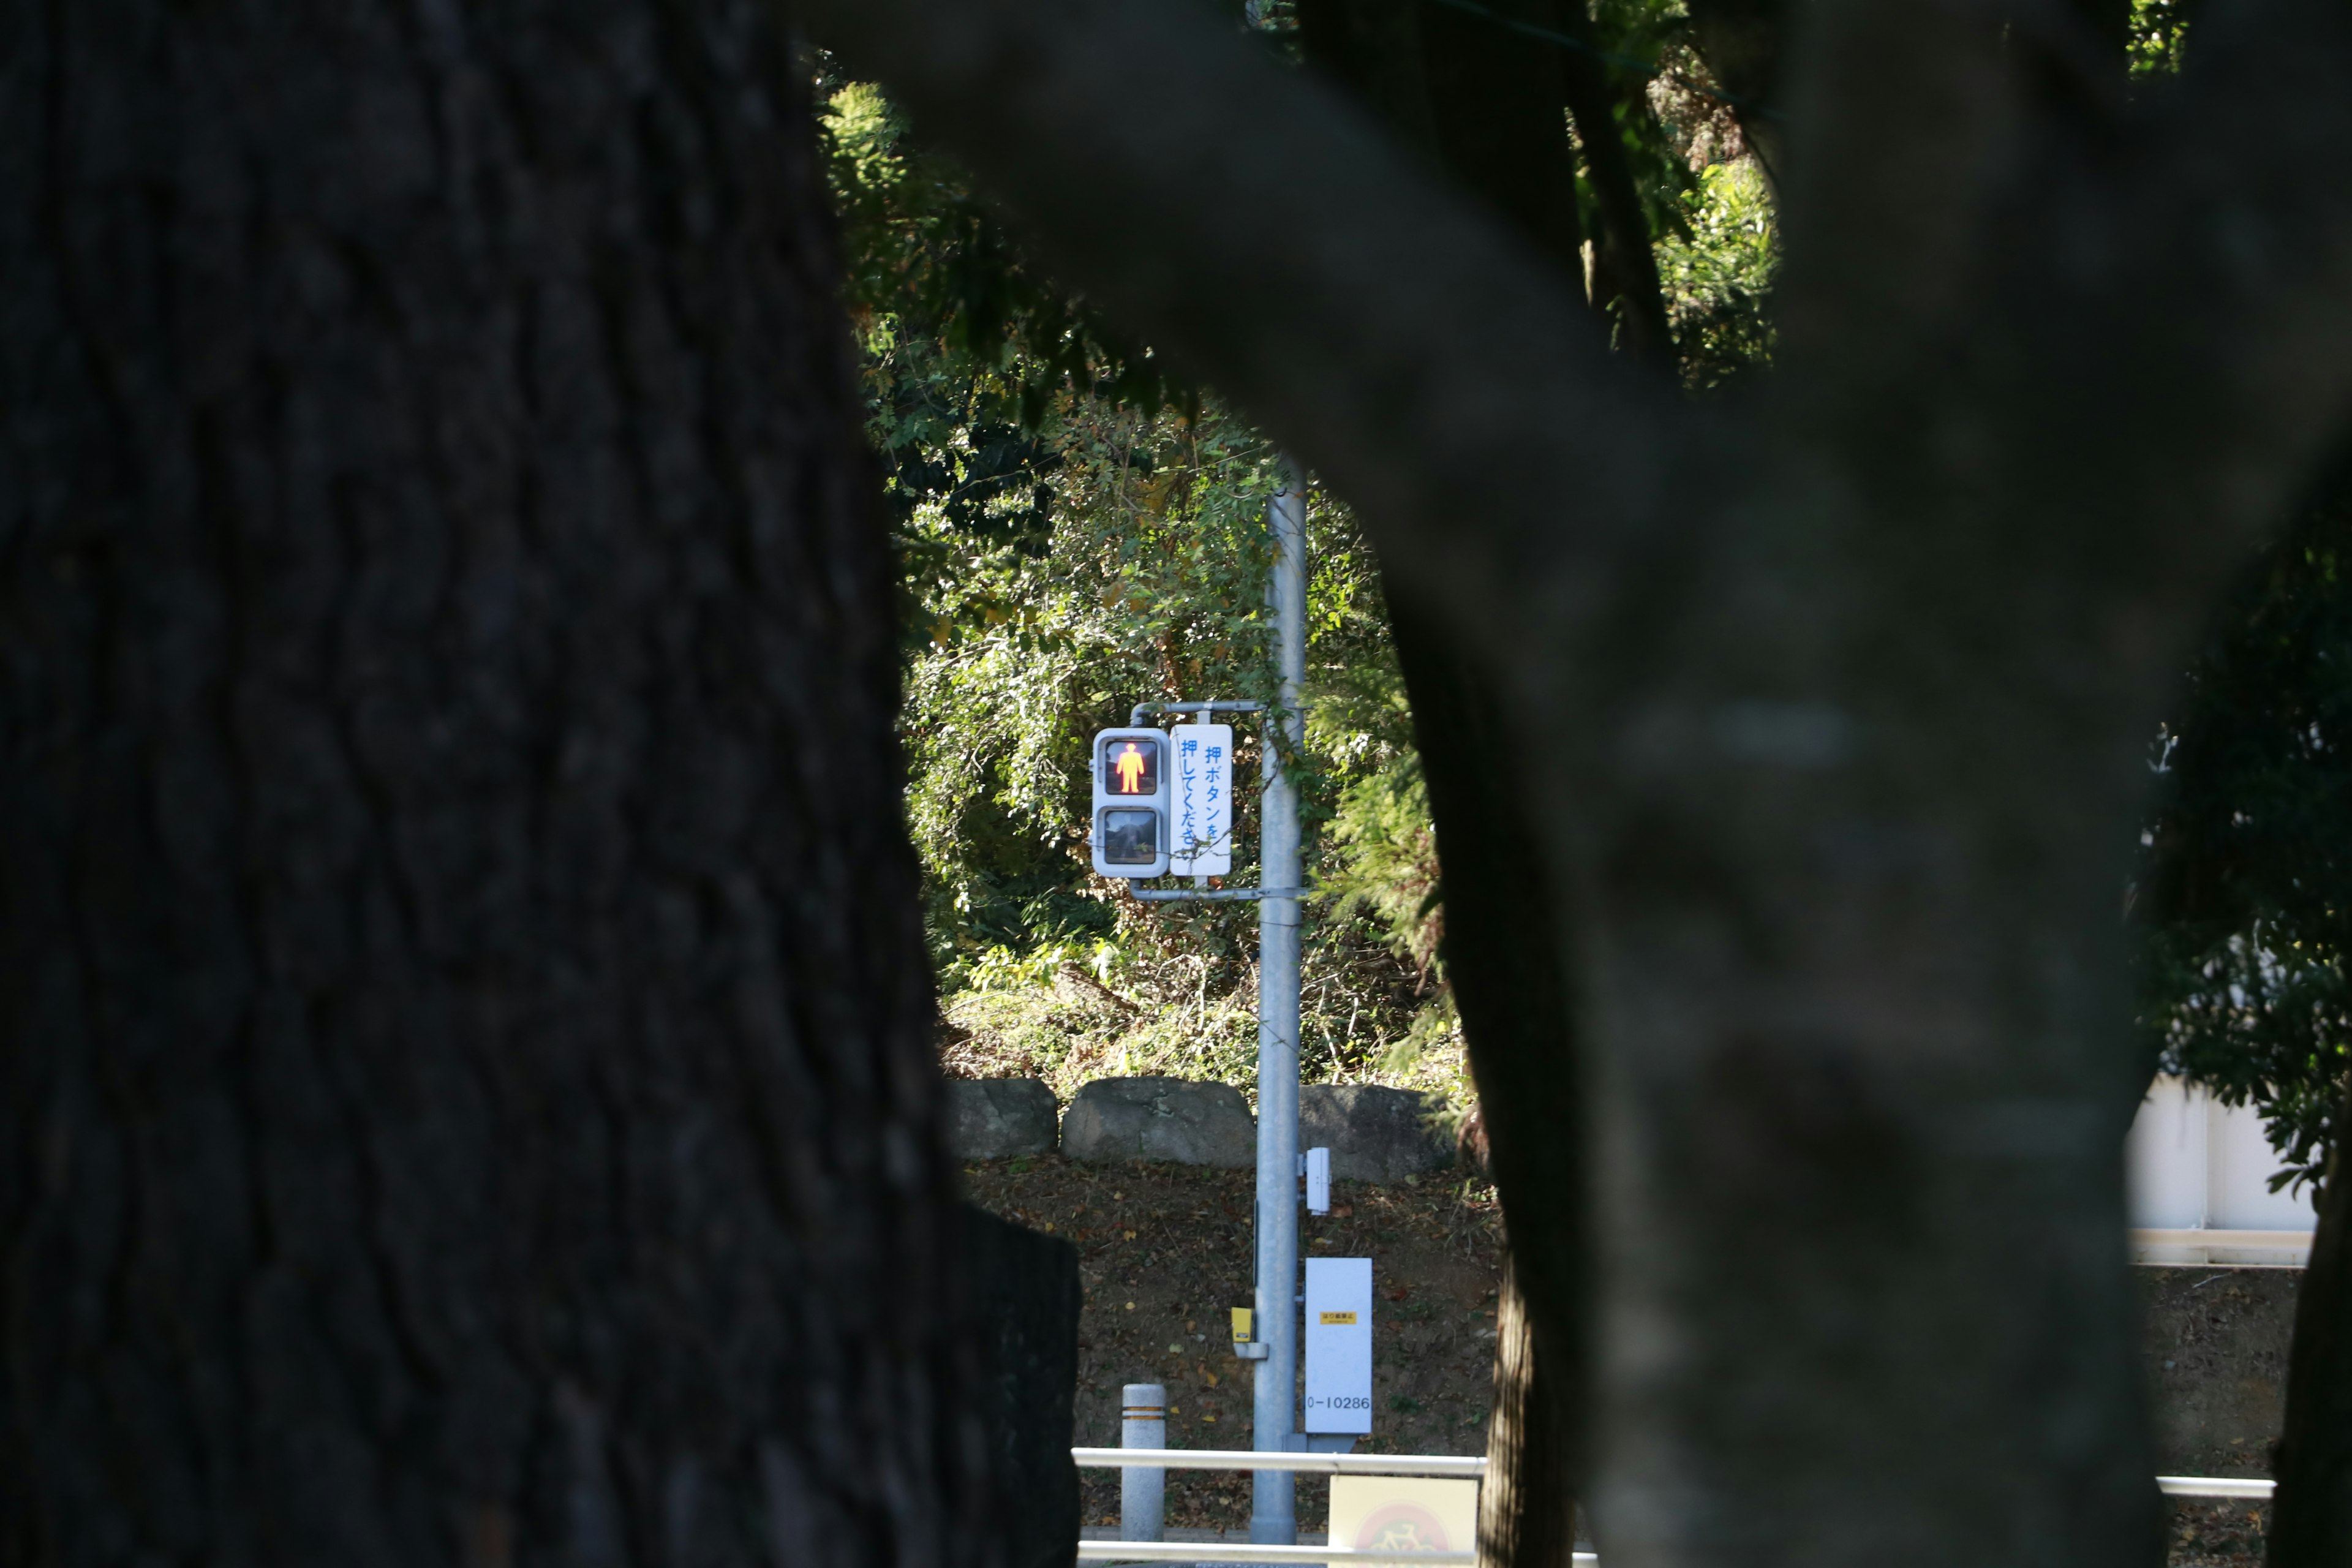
1625,269
1526,1519
1831,701
1026,1297
2312,1525
1501,949
466,1094
1741,41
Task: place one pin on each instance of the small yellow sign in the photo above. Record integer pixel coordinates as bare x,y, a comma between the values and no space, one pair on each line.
1342,1320
1242,1316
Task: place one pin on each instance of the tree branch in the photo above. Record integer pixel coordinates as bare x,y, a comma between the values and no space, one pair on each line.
2083,355
1905,123
1404,344
2231,326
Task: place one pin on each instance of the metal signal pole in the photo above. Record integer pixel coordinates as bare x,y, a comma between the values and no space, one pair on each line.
1274,1404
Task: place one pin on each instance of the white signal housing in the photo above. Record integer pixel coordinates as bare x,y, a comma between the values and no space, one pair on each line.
1130,833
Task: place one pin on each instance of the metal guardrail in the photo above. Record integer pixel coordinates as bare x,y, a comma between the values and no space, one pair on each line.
1472,1466
1218,1553
2217,1486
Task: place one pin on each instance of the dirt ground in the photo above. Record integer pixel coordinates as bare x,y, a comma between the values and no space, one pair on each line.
1164,1251
2216,1534
2217,1342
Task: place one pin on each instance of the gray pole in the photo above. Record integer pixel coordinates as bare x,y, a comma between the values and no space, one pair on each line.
1143,1488
1274,1404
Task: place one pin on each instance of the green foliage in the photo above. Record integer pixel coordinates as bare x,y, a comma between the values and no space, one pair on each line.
1650,122
1078,532
1717,275
1715,235
1382,867
2245,894
1077,535
1385,861
958,329
2159,28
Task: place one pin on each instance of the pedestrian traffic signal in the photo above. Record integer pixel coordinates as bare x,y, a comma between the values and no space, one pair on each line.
1132,765
1130,822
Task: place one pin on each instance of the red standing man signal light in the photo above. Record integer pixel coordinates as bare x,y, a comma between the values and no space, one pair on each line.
1129,767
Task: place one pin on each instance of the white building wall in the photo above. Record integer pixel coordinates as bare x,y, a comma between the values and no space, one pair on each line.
2168,1159
2195,1165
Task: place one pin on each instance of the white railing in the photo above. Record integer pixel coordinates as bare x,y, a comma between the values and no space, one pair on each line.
1473,1466
1220,1552
2216,1486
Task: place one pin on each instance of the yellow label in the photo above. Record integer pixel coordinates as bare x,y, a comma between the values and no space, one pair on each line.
1242,1325
1340,1320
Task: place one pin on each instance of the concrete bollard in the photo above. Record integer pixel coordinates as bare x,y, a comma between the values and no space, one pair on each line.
1142,1490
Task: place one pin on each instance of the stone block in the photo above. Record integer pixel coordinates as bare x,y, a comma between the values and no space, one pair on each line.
998,1118
1375,1134
1169,1118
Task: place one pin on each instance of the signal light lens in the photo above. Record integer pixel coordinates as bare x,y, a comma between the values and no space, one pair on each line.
1131,838
1130,766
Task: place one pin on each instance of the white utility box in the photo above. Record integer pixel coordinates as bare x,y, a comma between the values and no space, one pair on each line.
1340,1345
1318,1181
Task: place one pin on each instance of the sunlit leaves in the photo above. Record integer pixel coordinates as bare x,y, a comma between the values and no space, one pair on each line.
2160,30
1718,277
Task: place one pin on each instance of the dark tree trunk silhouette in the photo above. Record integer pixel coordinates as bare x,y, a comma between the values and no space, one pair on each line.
1490,112
1501,949
1831,701
1526,1518
466,1094
2312,1525
1027,1295
1625,269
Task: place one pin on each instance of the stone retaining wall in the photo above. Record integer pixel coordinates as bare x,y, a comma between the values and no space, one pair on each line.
1374,1133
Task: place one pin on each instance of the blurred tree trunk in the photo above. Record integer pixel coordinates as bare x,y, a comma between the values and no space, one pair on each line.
466,1095
1526,1517
2311,1527
1492,113
1501,951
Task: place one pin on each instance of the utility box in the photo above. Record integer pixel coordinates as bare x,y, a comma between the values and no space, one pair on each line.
1129,835
1318,1181
1340,1345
